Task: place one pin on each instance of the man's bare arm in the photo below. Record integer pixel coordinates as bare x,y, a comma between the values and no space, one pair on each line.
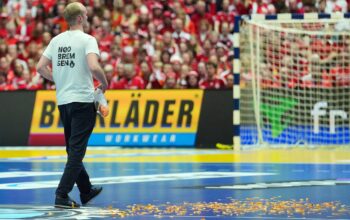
96,70
43,68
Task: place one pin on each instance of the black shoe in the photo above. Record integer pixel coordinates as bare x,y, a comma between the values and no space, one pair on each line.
94,191
66,203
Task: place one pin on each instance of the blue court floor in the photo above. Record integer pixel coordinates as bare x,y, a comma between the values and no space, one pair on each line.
181,184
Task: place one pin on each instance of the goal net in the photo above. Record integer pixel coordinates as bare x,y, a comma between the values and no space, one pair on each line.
294,82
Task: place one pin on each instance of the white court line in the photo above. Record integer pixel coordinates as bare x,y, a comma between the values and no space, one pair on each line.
343,161
27,174
280,184
133,179
120,155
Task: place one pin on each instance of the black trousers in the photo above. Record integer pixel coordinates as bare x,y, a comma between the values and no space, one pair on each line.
78,120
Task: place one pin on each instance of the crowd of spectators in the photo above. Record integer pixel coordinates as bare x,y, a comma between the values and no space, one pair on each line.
145,44
301,61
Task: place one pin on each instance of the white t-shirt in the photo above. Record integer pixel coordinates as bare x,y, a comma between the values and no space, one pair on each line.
67,52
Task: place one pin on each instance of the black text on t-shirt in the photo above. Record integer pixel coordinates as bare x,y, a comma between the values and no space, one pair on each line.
65,57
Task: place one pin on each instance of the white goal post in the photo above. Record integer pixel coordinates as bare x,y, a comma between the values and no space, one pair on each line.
291,80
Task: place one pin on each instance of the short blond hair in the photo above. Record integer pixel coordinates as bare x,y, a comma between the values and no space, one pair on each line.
72,11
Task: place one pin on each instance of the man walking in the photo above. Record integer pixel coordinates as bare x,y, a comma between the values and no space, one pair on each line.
74,59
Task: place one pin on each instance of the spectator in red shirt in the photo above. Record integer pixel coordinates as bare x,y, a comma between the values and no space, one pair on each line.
202,70
145,73
187,59
192,80
182,81
12,37
188,6
117,76
37,33
225,36
13,57
204,54
295,6
107,37
179,34
176,8
98,7
143,18
49,85
241,7
204,31
167,68
46,39
31,83
222,53
157,14
176,62
5,65
262,7
169,44
129,18
229,81
141,57
3,84
145,43
116,17
166,24
120,70
171,81
130,80
183,47
32,52
214,39
3,48
26,27
48,4
128,54
17,82
108,69
32,66
41,14
212,81
165,57
228,13
157,78
115,55
107,14
201,14
3,30
59,19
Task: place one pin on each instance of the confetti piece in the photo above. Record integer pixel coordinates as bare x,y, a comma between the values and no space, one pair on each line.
232,207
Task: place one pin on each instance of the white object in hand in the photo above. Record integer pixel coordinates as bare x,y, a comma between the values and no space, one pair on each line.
101,103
